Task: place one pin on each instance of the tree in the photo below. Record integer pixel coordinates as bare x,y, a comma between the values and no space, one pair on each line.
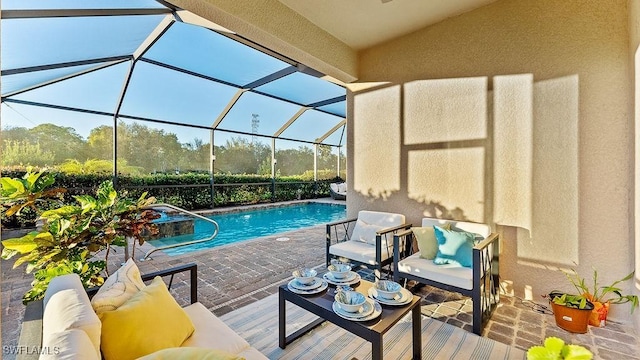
22,152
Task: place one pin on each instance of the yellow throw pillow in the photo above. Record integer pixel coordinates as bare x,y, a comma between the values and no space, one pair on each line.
150,321
118,288
191,353
427,242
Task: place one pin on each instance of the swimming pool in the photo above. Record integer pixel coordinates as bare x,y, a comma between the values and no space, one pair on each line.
250,224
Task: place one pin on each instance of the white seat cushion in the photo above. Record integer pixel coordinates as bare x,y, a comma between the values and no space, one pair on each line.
450,274
369,222
212,333
359,251
475,228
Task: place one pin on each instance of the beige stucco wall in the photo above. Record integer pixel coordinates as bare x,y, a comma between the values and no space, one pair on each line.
634,56
518,114
275,26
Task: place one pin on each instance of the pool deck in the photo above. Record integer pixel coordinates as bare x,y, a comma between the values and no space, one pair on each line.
232,276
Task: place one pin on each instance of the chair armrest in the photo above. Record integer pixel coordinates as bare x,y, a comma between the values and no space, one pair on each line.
486,242
31,332
393,228
341,222
193,279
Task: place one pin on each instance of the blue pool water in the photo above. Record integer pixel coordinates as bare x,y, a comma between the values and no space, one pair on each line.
245,225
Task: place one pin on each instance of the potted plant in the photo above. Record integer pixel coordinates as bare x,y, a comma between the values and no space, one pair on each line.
71,235
571,311
601,296
555,348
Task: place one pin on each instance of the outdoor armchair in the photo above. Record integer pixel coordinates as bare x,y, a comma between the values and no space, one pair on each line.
474,274
366,240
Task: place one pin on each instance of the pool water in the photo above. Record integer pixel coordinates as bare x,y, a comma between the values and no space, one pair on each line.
250,224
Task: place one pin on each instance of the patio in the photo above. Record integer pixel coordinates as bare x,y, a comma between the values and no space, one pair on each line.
234,276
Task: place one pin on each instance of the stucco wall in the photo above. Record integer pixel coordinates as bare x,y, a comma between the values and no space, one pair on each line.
634,57
517,114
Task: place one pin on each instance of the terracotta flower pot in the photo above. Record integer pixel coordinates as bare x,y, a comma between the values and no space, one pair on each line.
569,318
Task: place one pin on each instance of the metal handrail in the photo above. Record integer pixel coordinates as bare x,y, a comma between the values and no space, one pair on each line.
215,233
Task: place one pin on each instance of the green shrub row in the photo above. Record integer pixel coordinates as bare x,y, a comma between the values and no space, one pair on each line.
189,191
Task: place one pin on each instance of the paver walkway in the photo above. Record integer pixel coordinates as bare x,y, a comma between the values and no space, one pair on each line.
232,276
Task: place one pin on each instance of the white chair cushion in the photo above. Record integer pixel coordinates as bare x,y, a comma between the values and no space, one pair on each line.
369,222
480,229
68,345
342,188
69,309
450,274
212,333
334,187
359,251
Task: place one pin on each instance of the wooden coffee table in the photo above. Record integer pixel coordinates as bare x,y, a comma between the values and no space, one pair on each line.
321,305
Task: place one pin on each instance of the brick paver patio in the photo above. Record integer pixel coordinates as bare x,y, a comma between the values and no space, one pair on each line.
232,276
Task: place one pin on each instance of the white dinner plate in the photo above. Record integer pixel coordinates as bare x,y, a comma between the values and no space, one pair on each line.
352,278
321,288
372,308
404,297
317,282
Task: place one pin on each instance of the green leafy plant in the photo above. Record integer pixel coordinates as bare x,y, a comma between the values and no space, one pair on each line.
28,191
596,292
569,300
72,235
555,348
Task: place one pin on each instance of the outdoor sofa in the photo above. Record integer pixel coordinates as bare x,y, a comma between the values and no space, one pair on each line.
65,324
338,191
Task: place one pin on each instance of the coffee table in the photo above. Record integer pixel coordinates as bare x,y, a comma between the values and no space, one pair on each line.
321,305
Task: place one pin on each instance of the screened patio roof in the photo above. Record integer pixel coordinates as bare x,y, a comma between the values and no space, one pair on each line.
147,60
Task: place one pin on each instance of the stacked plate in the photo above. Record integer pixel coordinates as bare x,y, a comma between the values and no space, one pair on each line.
351,278
402,298
369,311
314,287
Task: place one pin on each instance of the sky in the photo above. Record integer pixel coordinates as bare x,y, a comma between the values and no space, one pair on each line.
154,91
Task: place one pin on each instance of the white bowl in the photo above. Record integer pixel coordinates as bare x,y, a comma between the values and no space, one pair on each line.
339,271
388,289
305,276
350,301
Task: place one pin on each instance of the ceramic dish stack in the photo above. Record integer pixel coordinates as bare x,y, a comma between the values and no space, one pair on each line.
305,282
341,274
354,306
390,293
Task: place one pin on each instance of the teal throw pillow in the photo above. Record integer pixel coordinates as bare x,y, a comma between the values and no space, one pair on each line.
454,247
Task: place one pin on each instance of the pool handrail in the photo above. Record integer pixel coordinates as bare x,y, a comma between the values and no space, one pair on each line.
215,232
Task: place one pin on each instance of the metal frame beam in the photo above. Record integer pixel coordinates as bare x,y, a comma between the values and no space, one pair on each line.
331,131
227,108
48,13
62,78
271,77
328,101
64,64
291,121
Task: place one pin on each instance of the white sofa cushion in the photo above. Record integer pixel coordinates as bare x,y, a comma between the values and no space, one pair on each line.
212,333
66,307
450,274
68,345
342,188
